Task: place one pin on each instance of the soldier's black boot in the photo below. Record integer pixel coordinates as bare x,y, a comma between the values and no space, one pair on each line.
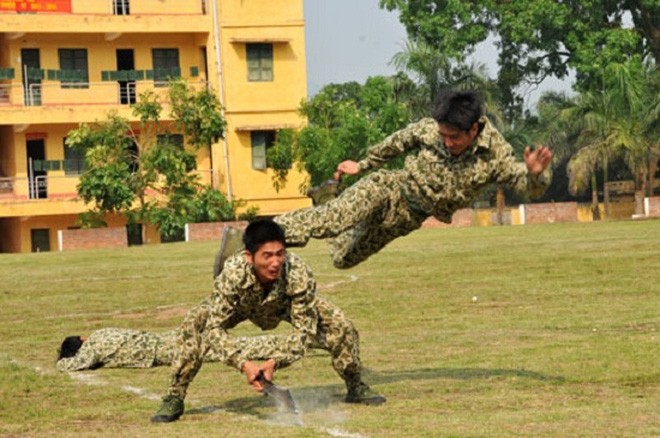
230,242
324,192
170,410
359,392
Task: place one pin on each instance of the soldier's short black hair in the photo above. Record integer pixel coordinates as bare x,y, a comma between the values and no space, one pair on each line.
70,347
260,232
459,109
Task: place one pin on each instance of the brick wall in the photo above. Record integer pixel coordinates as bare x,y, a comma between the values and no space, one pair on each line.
653,208
92,238
209,230
550,212
462,218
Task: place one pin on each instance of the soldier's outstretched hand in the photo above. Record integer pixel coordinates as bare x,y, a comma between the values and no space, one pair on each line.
252,371
347,167
268,368
538,159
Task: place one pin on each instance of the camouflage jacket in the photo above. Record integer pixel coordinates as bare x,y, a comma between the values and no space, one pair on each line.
437,183
238,296
121,348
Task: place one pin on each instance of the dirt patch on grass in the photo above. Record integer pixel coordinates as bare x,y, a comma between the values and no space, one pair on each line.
170,312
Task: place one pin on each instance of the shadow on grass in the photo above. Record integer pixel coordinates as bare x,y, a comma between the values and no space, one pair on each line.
308,399
380,377
316,398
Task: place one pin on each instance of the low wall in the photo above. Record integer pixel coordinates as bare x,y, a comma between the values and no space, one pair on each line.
462,218
550,212
92,238
652,206
209,230
526,214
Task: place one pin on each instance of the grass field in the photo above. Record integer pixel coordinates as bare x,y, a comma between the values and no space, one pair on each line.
534,331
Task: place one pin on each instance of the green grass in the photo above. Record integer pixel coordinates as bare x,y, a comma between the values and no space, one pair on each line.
562,339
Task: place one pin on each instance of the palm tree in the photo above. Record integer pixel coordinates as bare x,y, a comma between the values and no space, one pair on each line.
432,70
635,87
612,122
581,171
652,122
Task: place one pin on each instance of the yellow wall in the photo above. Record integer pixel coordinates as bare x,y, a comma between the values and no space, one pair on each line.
154,24
259,12
256,186
618,210
101,56
151,235
288,87
515,216
483,217
7,154
262,105
4,53
10,234
139,6
54,223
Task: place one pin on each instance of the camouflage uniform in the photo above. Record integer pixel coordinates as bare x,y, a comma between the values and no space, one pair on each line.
387,204
121,348
125,348
237,297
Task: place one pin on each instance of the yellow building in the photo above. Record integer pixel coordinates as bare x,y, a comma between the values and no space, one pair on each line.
66,62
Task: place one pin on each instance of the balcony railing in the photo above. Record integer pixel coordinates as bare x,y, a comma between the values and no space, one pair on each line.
25,188
7,185
55,184
82,93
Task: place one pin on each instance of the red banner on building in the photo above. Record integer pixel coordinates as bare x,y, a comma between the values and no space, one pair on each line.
36,5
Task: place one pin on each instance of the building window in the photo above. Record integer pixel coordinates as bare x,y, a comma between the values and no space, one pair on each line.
261,141
74,161
259,62
121,7
73,68
133,156
166,66
40,239
170,139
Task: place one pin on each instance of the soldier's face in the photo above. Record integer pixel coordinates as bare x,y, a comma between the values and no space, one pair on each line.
457,140
267,262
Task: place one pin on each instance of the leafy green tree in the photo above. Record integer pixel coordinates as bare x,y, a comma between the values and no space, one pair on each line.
343,120
433,70
197,114
547,126
537,39
149,175
108,183
614,123
653,128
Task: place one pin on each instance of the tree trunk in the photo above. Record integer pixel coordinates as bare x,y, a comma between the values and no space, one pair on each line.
500,206
606,189
640,191
595,212
639,202
653,168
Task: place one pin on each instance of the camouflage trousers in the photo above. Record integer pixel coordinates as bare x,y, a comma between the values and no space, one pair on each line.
360,222
335,334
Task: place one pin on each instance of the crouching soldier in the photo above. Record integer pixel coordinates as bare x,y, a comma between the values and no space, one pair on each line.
265,285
